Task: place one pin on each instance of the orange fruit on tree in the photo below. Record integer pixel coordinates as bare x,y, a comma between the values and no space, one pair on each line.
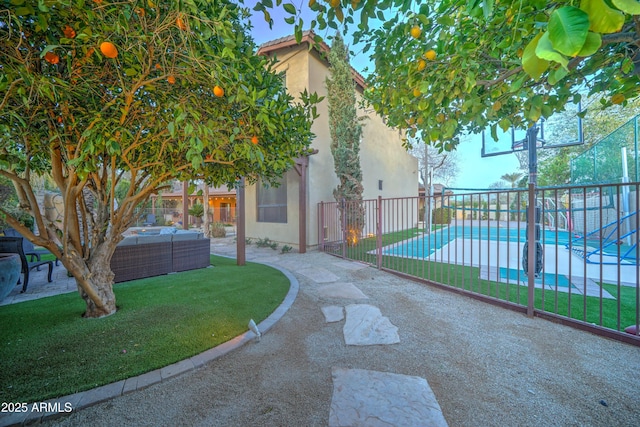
158,67
422,64
68,32
430,55
180,23
51,58
108,49
218,91
254,140
618,98
415,31
171,79
416,92
497,106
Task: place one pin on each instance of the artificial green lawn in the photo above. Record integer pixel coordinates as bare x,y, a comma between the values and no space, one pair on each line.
617,313
48,350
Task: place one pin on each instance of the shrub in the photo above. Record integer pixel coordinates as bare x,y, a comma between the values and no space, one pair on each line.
218,230
266,243
285,249
441,216
263,243
196,210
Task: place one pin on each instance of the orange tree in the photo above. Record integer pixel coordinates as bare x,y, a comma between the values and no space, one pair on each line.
450,67
100,92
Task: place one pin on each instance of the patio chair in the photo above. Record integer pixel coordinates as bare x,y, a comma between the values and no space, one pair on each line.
28,247
15,245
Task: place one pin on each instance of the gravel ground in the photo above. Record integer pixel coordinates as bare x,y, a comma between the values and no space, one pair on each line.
487,366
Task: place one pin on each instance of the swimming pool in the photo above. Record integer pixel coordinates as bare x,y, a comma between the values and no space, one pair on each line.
424,245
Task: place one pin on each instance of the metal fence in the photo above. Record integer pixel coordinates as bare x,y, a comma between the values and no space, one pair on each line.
583,254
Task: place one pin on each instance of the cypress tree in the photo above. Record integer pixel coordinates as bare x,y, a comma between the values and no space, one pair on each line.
345,132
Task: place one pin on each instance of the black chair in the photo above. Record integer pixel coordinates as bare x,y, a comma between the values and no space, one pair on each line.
14,245
28,247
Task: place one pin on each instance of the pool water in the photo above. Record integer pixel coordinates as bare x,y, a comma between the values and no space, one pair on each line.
550,279
425,245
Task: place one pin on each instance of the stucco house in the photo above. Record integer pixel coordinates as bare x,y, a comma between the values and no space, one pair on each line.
288,214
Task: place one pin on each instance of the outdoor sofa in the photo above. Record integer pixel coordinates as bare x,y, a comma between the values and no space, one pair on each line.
147,255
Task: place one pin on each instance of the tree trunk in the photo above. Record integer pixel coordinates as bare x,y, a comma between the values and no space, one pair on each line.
206,228
94,279
106,298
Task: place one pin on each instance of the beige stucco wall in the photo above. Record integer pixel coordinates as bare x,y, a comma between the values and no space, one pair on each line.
294,62
382,156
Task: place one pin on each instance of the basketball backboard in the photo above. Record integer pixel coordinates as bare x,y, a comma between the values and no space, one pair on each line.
559,130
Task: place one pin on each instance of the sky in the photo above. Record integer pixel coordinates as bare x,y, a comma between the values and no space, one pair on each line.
475,171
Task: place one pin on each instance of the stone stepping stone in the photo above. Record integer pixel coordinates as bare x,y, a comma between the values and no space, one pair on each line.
372,398
318,274
365,325
333,313
341,290
348,265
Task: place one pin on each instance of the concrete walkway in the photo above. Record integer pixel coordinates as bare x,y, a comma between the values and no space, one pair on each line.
362,347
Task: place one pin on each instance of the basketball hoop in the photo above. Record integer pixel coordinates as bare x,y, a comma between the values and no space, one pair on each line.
562,130
559,130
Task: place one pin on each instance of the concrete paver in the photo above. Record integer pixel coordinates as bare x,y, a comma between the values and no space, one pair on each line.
370,398
333,313
365,325
341,290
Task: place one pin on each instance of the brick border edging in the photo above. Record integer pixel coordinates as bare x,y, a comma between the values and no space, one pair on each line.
106,392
